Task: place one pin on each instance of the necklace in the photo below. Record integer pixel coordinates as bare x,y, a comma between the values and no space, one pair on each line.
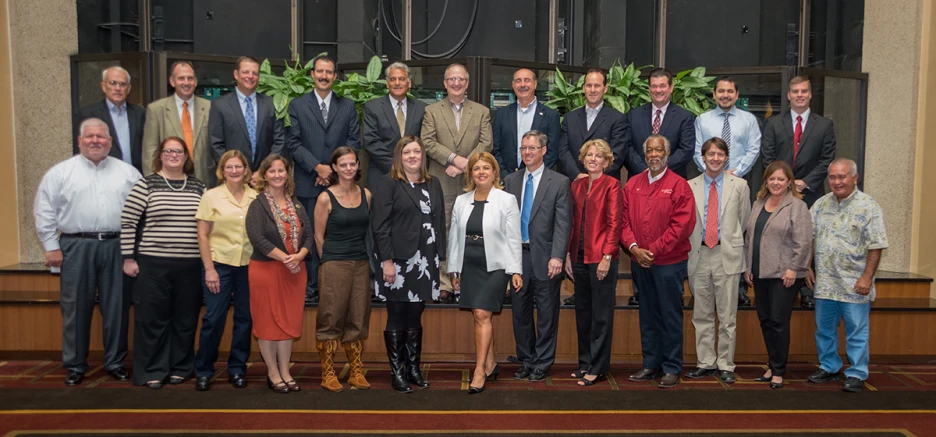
184,182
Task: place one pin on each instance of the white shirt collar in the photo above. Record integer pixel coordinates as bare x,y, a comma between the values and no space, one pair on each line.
536,173
179,100
658,177
805,115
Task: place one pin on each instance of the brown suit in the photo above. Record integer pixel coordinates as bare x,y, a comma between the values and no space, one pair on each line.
163,121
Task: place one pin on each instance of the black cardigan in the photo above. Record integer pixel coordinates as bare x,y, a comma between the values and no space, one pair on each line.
396,219
262,231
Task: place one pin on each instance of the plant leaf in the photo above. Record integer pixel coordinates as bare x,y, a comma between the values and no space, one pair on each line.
373,68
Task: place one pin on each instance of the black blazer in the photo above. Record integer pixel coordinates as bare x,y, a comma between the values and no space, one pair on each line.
396,219
381,133
136,116
550,218
545,120
816,152
310,141
263,233
677,126
610,125
227,129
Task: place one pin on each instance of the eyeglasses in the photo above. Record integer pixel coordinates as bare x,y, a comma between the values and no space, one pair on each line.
117,84
233,167
456,79
530,148
168,152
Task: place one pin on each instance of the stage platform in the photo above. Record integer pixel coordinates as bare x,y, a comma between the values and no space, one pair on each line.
903,325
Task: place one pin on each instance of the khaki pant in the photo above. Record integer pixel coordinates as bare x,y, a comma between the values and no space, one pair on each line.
715,293
344,301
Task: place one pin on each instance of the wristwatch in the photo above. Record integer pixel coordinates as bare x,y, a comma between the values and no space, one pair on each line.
607,257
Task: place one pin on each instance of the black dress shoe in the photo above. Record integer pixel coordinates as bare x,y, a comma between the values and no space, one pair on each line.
74,378
644,375
727,376
776,385
669,380
807,302
202,383
744,300
821,376
475,390
522,373
176,380
763,378
633,301
852,384
238,380
155,385
537,375
699,372
119,374
569,301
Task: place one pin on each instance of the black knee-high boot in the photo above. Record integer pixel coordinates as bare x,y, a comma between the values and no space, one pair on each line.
395,342
413,352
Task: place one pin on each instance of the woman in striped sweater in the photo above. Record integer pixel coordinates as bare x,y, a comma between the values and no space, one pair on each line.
165,261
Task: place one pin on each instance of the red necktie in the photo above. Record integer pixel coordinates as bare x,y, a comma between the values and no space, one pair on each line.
656,122
711,218
797,136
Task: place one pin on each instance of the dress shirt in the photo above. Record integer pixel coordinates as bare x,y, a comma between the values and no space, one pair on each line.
524,124
394,103
242,99
653,110
592,114
327,100
537,176
78,196
719,183
805,116
228,238
657,177
191,109
745,138
122,126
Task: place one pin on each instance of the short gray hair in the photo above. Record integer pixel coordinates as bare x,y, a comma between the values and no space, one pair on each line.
93,122
445,75
540,137
115,68
666,143
397,66
852,166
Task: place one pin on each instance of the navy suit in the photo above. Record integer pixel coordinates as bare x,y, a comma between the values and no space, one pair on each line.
545,120
677,126
381,133
610,125
227,129
136,116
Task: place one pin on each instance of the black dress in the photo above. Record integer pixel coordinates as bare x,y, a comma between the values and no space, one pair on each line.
480,289
417,278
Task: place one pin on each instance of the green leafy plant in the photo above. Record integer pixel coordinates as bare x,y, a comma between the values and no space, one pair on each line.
692,90
363,88
565,97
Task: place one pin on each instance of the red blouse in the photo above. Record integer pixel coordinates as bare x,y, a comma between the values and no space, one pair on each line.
603,217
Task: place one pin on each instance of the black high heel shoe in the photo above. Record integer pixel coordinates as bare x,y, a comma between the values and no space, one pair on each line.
586,382
494,373
776,385
763,378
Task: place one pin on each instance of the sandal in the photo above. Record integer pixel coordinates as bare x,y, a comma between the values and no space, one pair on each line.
587,382
579,374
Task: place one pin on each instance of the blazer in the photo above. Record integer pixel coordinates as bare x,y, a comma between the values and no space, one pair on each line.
786,242
381,133
545,120
396,218
136,116
603,217
610,125
550,218
311,141
816,152
734,207
442,138
263,233
163,121
501,223
227,129
677,126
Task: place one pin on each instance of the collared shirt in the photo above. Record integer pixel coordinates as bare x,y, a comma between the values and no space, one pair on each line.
191,108
658,177
745,138
327,100
592,114
524,124
228,238
805,116
122,127
77,196
394,103
843,233
537,176
654,109
719,183
242,99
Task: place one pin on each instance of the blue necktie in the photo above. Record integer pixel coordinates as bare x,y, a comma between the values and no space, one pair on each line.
251,120
525,211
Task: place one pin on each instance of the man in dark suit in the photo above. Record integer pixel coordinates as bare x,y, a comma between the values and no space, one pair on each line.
662,117
245,120
518,118
387,119
125,120
593,121
545,224
321,122
806,142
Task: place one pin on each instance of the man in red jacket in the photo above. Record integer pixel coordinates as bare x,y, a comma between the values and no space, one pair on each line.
659,215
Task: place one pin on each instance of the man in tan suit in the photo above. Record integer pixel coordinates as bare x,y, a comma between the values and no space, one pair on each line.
452,130
723,204
181,115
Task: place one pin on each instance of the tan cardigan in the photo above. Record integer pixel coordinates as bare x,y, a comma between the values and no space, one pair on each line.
786,241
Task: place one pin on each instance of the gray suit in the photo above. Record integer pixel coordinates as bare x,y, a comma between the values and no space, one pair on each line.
549,228
381,133
227,129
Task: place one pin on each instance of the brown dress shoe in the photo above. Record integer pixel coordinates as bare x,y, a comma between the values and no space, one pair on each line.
644,375
669,380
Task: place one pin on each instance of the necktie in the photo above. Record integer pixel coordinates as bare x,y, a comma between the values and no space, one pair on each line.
657,121
458,114
251,119
726,130
711,218
187,127
324,112
527,207
797,136
400,118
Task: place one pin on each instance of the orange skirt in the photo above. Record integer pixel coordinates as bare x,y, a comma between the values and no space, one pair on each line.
277,300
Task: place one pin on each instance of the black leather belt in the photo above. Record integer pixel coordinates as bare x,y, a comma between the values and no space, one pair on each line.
473,237
94,235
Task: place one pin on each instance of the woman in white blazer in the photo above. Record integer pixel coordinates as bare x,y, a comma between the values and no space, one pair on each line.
484,254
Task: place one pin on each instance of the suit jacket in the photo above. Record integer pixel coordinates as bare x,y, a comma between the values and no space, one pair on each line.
381,133
677,126
227,129
396,218
610,125
603,216
545,120
163,121
816,152
786,241
136,117
442,138
734,207
501,223
311,141
550,218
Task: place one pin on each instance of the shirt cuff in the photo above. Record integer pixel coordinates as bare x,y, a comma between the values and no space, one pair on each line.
633,245
51,244
451,159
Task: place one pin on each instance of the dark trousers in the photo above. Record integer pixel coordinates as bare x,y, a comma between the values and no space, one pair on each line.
90,266
536,344
167,298
233,282
774,307
312,261
661,315
594,316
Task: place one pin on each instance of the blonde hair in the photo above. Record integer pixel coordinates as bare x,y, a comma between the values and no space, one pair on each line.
488,158
602,147
227,156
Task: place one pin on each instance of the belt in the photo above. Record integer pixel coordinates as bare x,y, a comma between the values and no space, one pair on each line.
474,237
94,235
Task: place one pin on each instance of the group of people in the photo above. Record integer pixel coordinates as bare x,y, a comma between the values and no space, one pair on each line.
237,211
